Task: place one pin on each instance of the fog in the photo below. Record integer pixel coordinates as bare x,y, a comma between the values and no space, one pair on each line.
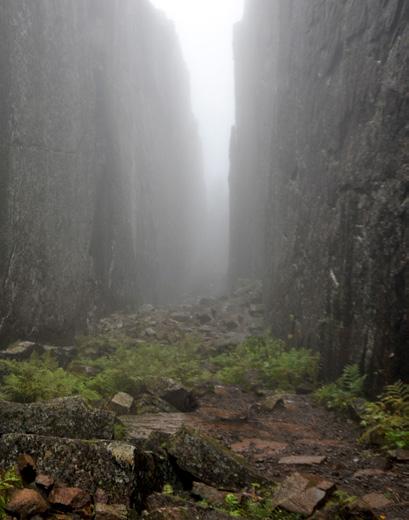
205,30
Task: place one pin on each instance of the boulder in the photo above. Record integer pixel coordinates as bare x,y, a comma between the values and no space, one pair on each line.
88,465
26,502
175,394
64,417
121,403
21,351
298,494
209,462
72,499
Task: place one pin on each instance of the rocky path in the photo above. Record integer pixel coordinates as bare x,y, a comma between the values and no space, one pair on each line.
285,442
293,436
279,435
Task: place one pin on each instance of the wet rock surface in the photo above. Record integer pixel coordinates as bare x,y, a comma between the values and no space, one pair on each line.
65,417
229,441
318,178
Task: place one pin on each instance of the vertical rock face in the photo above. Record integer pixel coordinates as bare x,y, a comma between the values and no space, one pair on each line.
320,175
99,162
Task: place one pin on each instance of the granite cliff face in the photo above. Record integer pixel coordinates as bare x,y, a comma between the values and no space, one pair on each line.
99,163
320,175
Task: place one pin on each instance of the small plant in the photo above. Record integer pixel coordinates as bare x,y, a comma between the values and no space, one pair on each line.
167,489
386,421
40,378
119,432
339,506
8,480
266,362
258,505
338,395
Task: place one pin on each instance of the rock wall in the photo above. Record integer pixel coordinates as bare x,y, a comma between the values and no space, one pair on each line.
320,176
100,179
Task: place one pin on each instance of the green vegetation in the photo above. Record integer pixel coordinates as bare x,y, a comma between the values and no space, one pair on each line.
128,368
40,378
256,507
268,363
8,480
120,365
386,421
339,395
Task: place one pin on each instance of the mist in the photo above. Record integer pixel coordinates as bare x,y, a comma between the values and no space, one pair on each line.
205,31
204,259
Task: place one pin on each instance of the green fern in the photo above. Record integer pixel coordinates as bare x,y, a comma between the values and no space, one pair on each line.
339,395
8,480
386,421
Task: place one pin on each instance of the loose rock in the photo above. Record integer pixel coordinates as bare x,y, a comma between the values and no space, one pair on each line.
26,502
66,417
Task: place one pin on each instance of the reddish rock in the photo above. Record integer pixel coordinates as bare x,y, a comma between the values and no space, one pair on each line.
298,494
376,501
69,497
305,460
370,472
26,502
212,495
44,482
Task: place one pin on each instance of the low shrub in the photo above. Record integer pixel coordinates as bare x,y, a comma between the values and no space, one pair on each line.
40,378
339,395
267,362
386,421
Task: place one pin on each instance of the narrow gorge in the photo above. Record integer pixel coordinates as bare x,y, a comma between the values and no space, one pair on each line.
140,376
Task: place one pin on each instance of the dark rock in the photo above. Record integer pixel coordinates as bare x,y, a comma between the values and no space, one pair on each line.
209,462
88,465
151,404
26,467
26,502
179,397
64,417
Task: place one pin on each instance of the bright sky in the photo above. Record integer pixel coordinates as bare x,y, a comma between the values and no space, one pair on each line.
205,29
